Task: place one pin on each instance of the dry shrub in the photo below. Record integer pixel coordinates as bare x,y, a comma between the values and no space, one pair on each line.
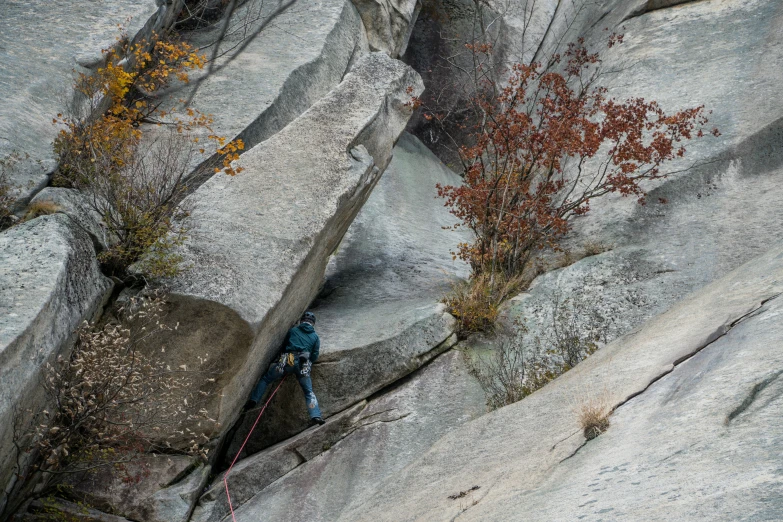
107,403
517,368
593,248
40,208
510,373
593,411
527,172
476,302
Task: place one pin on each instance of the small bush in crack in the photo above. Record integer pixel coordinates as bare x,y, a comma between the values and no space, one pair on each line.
475,303
515,369
40,208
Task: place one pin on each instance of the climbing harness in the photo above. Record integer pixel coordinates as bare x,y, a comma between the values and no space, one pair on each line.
225,477
304,367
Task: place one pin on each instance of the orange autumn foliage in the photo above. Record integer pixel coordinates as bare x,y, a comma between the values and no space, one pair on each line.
550,142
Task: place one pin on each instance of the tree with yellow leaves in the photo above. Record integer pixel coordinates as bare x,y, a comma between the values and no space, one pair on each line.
133,181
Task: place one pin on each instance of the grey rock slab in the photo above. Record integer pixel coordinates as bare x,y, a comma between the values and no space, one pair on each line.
167,488
388,23
250,475
257,89
379,316
76,205
260,241
176,502
43,44
702,443
514,449
49,283
525,25
700,224
392,431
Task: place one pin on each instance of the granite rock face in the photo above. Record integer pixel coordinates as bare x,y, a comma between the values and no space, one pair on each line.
49,284
43,45
388,23
260,241
707,370
378,313
701,443
166,491
76,205
382,437
264,80
700,224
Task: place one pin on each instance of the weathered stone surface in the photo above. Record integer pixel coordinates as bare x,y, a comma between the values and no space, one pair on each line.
260,241
388,23
524,26
49,284
702,443
251,475
438,49
378,314
76,205
258,89
715,216
515,454
385,436
167,488
44,509
43,43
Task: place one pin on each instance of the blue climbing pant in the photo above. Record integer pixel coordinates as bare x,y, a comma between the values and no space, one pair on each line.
305,382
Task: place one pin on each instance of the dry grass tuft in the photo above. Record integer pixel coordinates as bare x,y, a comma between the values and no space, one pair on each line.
593,413
40,208
593,248
476,302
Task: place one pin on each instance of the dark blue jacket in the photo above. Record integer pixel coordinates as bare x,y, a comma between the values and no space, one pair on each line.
302,338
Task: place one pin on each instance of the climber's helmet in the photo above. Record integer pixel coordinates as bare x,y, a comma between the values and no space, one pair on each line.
309,317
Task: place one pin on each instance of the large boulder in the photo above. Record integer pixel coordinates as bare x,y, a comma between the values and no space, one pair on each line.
259,242
44,44
378,313
263,79
694,392
384,436
49,283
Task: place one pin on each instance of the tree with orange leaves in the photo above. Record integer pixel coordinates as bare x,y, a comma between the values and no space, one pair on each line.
550,142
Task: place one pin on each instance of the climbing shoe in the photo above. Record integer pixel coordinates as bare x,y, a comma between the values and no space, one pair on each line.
249,405
317,420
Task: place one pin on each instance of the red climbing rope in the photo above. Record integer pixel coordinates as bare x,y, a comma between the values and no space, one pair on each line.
225,477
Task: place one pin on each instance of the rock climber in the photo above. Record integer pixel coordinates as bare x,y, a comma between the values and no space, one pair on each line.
300,351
